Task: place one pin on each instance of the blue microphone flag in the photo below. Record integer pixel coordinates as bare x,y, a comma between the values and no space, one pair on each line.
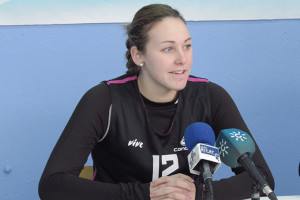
200,139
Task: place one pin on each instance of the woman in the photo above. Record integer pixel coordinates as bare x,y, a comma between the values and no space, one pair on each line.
134,124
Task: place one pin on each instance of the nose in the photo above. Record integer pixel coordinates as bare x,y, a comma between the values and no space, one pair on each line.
180,57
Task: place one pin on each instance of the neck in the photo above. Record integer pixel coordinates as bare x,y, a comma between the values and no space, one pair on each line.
154,95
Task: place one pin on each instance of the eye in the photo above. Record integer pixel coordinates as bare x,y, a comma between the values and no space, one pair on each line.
188,46
168,49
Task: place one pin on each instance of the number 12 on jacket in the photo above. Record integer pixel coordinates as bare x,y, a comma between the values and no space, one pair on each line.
163,159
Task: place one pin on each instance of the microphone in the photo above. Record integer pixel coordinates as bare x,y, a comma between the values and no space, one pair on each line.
236,149
204,157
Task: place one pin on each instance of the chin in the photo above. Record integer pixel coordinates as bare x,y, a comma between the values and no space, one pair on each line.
180,86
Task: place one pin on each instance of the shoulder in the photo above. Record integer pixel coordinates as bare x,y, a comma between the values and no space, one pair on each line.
102,90
211,85
194,80
99,91
217,94
212,88
216,90
121,79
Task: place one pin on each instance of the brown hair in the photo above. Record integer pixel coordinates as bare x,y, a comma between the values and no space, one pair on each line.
142,22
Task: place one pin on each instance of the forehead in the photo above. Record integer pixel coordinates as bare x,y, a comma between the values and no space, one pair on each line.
169,29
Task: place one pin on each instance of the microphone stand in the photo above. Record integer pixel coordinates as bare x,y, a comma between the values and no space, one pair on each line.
256,175
207,192
255,194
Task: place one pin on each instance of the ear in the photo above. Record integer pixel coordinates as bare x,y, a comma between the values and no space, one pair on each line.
136,55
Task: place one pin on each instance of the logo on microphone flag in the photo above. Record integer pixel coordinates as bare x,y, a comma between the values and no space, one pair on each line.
238,136
223,147
203,152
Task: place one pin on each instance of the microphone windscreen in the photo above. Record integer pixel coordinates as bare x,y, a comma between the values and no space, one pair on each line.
198,132
232,143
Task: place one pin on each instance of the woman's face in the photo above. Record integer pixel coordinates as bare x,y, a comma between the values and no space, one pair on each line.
168,56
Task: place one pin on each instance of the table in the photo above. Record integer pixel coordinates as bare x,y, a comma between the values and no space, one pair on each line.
295,197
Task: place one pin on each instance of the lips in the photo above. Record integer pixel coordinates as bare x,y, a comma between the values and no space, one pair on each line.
178,72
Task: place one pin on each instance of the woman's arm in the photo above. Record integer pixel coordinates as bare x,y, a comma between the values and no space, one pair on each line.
226,115
86,126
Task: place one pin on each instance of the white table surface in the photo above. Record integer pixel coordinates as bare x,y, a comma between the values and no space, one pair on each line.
296,197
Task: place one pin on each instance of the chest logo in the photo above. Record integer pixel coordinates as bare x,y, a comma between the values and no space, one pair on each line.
183,148
135,143
182,142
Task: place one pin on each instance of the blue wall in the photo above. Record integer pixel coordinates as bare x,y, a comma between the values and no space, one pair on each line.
44,71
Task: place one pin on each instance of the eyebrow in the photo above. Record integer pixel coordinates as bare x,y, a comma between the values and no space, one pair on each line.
175,42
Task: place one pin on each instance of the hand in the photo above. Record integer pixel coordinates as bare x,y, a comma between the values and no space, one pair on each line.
175,187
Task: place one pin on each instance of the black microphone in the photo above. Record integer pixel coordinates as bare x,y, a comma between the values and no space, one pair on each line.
236,148
204,157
